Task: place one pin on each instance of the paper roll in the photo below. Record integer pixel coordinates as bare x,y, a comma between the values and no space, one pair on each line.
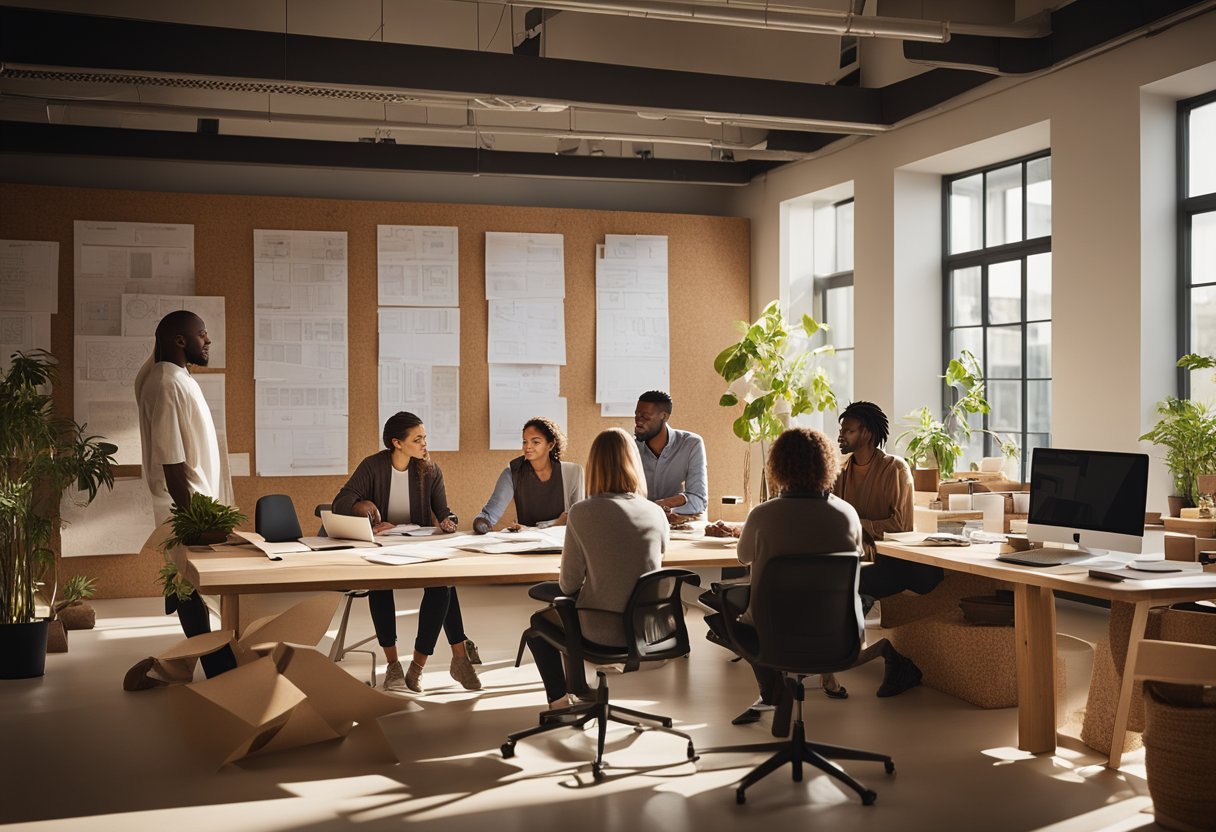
993,506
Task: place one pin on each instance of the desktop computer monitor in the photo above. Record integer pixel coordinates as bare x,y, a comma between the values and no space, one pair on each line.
1095,499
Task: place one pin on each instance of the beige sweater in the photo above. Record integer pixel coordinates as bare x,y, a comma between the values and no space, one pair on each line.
884,498
611,541
797,524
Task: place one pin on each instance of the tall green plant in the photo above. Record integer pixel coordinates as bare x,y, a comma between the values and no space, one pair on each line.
945,439
773,378
43,455
1187,431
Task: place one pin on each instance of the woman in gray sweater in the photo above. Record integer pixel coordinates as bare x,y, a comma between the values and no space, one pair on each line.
612,538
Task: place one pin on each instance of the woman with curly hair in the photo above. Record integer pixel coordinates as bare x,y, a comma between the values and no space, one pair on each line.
401,485
542,485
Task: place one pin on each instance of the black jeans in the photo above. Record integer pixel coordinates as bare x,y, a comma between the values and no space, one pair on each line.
888,576
440,610
195,621
550,662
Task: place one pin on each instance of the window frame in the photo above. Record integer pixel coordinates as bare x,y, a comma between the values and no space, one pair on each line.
822,284
1187,208
984,257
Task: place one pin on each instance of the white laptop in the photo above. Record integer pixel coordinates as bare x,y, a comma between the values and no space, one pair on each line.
343,530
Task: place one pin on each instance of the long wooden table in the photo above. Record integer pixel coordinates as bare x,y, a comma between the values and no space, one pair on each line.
1035,627
233,571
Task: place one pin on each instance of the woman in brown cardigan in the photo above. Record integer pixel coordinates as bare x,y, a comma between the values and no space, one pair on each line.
401,485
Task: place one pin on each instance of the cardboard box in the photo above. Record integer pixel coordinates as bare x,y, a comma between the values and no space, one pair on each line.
1198,528
1180,546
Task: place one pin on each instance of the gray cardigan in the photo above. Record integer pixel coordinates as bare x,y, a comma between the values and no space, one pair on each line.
504,491
373,480
611,541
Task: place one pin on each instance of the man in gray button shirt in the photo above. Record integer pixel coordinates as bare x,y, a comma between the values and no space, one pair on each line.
673,460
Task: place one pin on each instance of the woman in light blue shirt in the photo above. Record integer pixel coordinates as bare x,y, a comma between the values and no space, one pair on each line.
542,485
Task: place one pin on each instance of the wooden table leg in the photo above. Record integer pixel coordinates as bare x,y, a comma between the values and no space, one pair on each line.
230,613
1035,647
1123,711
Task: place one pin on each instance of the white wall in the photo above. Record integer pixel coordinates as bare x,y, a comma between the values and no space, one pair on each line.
1113,317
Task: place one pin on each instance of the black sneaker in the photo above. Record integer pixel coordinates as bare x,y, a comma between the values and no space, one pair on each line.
747,717
902,674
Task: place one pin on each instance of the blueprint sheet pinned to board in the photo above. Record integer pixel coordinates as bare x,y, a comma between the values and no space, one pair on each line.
432,393
522,266
417,265
632,343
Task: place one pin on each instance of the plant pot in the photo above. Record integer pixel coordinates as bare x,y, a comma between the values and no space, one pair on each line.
23,650
925,479
78,616
1175,505
56,637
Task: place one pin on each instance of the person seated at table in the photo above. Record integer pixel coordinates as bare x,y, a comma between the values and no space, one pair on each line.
543,485
402,485
612,538
805,518
672,460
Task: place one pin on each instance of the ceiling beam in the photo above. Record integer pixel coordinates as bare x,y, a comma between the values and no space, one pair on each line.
73,140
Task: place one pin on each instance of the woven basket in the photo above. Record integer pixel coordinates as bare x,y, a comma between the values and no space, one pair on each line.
1180,757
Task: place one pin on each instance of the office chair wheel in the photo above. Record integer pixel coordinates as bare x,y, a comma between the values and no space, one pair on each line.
597,772
508,750
868,797
740,797
889,765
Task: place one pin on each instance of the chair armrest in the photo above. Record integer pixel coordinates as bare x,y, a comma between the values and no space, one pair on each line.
735,598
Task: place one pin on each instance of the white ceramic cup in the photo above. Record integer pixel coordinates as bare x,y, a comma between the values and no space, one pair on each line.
960,502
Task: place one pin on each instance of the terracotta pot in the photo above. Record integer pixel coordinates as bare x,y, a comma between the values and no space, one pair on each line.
78,616
925,479
1175,505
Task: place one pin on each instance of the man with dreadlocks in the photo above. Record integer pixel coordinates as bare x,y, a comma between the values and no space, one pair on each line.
879,486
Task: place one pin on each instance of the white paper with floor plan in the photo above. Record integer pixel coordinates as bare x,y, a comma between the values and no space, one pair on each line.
525,266
141,314
118,522
517,393
632,338
104,390
420,336
29,276
507,420
23,332
526,332
111,259
431,393
416,265
301,428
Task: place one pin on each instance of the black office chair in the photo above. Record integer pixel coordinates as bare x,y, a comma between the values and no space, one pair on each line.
339,649
807,620
654,631
274,518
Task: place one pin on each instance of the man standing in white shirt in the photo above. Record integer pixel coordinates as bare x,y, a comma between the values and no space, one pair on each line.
181,453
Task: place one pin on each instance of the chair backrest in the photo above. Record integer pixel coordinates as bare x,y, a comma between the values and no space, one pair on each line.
316,512
274,518
654,617
807,613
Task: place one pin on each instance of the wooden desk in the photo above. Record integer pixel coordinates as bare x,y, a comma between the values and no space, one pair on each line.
239,570
1035,627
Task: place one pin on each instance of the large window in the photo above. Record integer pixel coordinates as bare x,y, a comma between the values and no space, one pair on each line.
1197,239
997,299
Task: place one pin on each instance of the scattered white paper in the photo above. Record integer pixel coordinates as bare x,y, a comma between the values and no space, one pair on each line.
141,314
526,332
29,276
417,265
420,336
118,522
507,420
632,339
111,259
430,393
525,266
301,428
104,390
22,332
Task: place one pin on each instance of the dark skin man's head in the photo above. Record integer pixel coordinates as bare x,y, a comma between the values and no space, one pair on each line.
855,436
648,420
181,338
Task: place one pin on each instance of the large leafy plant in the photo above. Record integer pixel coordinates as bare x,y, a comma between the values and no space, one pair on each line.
773,377
1187,431
203,520
43,455
943,440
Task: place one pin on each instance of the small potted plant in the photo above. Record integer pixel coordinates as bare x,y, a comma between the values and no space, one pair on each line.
774,379
943,440
1187,431
73,609
204,521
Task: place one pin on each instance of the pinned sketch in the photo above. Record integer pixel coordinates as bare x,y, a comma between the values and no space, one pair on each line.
524,382
21,332
431,393
111,259
416,265
525,266
117,522
29,276
299,272
633,350
141,314
507,419
303,348
104,390
301,428
527,332
215,394
615,410
420,336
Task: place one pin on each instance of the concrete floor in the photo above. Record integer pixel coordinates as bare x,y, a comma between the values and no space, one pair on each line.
79,753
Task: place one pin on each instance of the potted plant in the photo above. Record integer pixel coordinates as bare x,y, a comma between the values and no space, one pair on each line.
1187,431
72,608
204,521
43,455
774,380
943,440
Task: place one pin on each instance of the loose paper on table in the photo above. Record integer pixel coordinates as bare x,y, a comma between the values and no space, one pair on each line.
29,276
632,339
111,259
417,265
525,266
141,314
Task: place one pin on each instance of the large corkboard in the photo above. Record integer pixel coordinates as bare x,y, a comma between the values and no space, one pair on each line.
709,290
